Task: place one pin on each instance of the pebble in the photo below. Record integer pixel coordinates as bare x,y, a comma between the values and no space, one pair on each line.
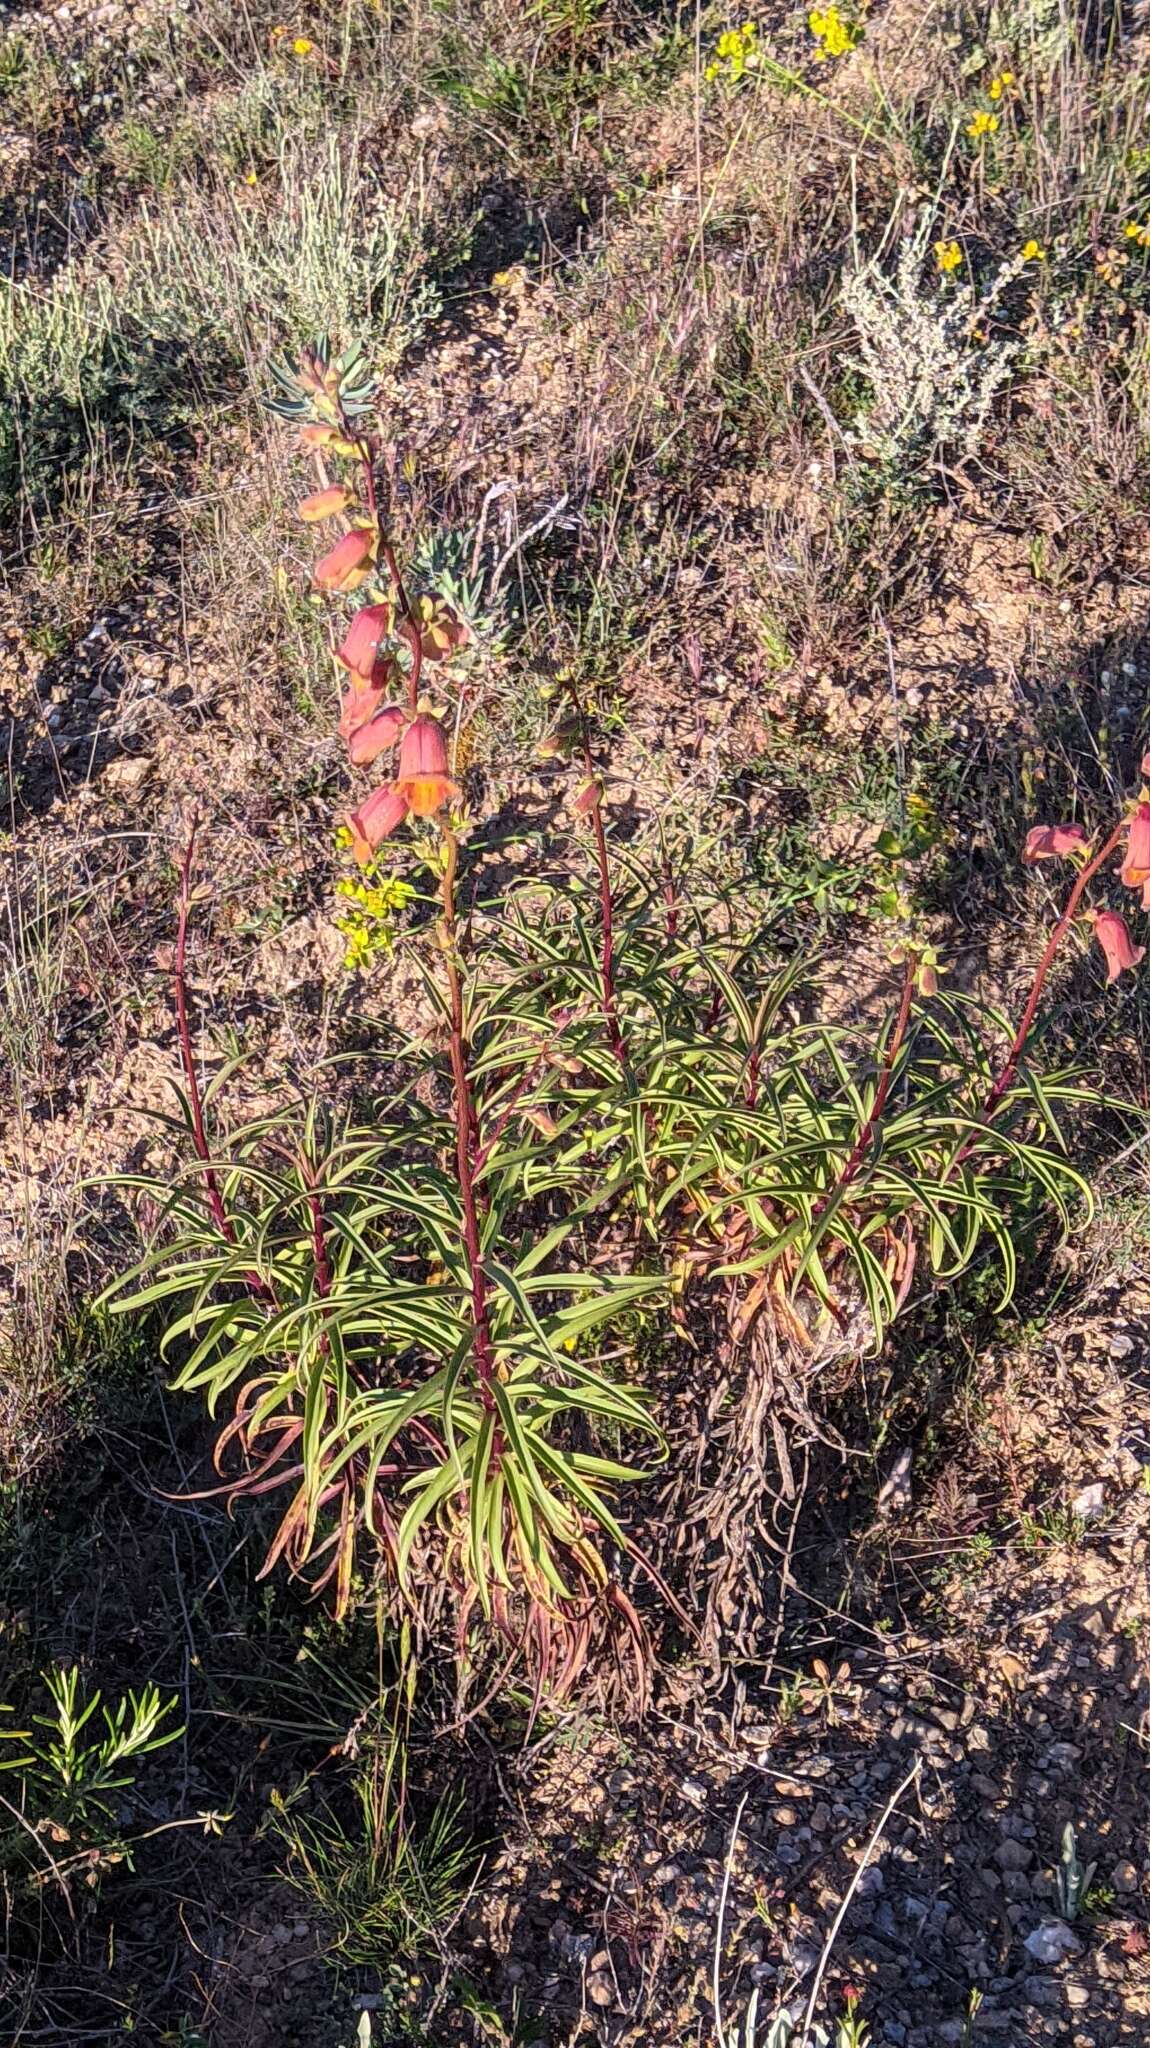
1050,1941
1011,1855
1125,1877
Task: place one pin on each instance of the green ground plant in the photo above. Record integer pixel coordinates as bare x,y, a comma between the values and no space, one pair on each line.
423,1317
62,1823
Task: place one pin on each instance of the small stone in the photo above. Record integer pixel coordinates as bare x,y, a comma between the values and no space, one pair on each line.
1089,1504
600,1989
1124,1877
127,773
786,1816
1011,1855
1050,1941
985,1787
977,1737
1042,1991
1076,1994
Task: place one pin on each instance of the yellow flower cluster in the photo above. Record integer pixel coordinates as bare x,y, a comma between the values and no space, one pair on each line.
736,53
947,255
1033,252
1138,231
1004,86
982,124
368,924
833,36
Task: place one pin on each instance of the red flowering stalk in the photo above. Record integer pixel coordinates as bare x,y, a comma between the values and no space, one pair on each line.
1004,1079
863,1141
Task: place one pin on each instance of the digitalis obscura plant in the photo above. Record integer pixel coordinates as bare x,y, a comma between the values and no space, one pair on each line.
420,1324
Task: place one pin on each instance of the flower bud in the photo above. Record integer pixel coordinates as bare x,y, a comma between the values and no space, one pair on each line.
367,742
375,820
1115,941
1050,842
359,650
325,504
1136,866
349,561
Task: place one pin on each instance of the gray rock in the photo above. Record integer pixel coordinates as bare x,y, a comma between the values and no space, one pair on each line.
1050,1941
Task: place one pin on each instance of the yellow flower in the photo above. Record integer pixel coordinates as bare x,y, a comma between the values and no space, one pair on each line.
982,124
1033,252
1001,84
834,36
1138,231
302,46
947,255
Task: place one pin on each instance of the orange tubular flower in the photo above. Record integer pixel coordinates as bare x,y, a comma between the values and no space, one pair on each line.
1049,842
325,504
360,648
423,779
369,741
318,435
1136,866
349,561
360,704
375,820
1115,941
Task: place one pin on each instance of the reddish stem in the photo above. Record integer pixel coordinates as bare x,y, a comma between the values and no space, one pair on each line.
863,1141
1004,1078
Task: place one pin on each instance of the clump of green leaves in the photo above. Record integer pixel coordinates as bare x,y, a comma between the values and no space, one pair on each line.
420,1320
66,1767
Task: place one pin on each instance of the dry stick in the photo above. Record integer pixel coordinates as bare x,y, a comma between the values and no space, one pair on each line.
466,1132
856,1880
715,1998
